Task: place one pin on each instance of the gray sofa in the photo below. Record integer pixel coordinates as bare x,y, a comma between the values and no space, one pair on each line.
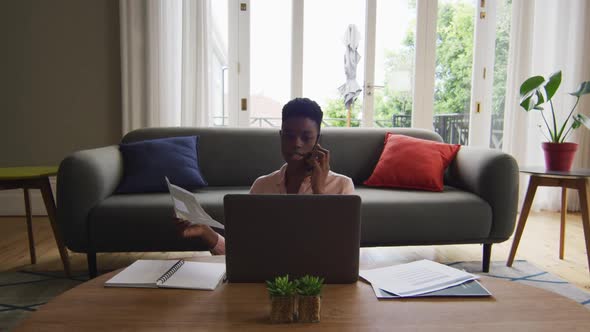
478,204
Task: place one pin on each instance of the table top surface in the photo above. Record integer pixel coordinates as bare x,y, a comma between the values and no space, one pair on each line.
540,170
21,173
246,307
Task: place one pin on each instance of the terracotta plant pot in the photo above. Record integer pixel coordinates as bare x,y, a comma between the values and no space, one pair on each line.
309,309
559,156
282,309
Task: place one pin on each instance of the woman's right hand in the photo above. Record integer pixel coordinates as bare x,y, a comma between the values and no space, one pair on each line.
206,233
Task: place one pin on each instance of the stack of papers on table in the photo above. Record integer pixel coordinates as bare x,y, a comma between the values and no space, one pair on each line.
422,278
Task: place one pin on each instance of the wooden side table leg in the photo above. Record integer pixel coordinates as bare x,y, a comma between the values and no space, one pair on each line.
45,187
563,215
524,213
30,226
583,190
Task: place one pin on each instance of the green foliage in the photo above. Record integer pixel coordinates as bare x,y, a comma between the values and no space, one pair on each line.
281,286
335,110
538,90
454,58
503,16
389,102
309,286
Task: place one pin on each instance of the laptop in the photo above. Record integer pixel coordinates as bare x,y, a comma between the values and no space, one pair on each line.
273,235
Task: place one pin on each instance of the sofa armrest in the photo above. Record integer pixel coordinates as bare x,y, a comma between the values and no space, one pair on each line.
83,180
493,176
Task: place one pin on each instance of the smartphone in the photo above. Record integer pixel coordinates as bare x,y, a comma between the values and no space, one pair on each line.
309,168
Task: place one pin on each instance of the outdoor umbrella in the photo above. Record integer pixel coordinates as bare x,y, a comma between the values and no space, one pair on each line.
351,89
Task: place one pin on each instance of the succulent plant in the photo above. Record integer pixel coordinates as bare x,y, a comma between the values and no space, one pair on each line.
281,286
309,285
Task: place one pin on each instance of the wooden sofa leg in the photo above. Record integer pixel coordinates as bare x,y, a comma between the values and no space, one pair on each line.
91,258
487,254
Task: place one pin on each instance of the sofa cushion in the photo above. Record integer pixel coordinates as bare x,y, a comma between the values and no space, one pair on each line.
146,163
412,163
406,217
238,156
388,217
144,222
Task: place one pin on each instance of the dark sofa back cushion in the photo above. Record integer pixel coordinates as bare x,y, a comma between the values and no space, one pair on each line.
237,156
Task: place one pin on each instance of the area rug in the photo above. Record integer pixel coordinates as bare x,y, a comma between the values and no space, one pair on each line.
23,292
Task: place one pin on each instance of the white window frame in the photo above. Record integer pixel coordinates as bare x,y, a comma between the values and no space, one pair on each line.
482,78
297,48
425,64
424,69
239,63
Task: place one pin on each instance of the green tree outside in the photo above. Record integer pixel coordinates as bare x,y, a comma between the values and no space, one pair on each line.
454,58
454,61
335,109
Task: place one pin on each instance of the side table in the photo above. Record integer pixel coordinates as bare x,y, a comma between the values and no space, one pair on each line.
36,178
574,179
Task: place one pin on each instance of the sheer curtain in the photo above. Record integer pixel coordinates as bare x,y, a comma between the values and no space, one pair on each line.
547,36
164,63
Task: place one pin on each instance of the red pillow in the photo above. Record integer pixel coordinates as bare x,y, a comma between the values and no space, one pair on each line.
413,163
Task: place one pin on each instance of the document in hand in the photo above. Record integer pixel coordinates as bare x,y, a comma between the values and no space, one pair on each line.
187,207
416,278
169,274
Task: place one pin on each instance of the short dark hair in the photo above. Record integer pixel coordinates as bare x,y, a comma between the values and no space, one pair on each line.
303,107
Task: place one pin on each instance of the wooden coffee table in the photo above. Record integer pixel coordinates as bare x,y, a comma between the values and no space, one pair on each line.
354,307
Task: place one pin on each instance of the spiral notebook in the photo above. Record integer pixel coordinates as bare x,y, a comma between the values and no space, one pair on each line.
169,274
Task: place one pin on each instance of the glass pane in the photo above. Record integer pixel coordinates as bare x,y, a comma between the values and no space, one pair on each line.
394,62
325,25
454,61
270,60
218,63
503,13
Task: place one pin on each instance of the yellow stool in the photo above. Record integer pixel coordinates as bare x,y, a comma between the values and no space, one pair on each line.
36,178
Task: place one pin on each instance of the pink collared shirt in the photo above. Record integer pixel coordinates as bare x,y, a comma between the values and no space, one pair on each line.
274,183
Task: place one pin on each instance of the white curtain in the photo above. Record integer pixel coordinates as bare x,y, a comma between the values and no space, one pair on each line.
547,36
164,61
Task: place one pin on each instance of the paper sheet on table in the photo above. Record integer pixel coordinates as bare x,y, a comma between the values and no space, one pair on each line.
187,207
470,288
416,278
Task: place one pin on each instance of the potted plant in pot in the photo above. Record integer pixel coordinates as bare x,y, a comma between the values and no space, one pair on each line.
282,296
309,290
536,91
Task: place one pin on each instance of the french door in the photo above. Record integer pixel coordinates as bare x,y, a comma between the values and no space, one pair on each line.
424,63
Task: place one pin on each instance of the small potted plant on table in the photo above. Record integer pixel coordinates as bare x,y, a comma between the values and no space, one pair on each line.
282,295
537,91
309,301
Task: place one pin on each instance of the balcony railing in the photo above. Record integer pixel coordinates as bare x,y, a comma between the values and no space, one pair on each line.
275,122
453,128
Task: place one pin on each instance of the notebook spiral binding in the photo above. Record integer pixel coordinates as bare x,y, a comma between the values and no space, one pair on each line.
170,272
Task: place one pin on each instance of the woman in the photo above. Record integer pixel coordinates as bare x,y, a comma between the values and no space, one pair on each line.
307,168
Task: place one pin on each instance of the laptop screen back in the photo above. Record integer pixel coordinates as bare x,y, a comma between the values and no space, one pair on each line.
273,235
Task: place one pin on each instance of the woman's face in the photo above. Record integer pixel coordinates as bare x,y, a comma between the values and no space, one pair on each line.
298,137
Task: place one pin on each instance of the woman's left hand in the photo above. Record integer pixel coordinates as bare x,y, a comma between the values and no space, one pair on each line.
320,163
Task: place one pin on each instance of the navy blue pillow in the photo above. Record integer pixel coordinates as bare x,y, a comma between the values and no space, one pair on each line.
146,163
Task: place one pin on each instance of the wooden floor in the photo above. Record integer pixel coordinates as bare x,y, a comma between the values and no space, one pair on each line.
539,246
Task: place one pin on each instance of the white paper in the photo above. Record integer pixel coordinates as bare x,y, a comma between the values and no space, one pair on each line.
180,206
196,275
187,207
142,273
189,275
415,278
